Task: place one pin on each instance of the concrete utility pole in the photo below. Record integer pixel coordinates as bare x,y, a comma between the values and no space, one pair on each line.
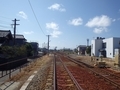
15,28
87,42
48,42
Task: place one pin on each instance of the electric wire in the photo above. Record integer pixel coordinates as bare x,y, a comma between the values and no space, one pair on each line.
5,17
5,26
4,22
35,17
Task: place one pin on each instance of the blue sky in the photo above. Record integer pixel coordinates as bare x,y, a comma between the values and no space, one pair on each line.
69,22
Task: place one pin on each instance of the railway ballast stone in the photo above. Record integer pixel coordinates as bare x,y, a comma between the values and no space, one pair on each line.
39,79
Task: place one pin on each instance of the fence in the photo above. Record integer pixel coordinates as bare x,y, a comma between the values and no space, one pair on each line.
7,68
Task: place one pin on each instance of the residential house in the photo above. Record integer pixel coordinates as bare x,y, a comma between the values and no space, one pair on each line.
105,47
5,37
19,40
81,49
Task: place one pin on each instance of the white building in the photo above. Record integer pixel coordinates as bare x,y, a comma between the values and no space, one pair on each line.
106,47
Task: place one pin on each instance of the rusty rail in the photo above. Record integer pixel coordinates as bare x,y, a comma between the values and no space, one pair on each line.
96,73
55,75
72,77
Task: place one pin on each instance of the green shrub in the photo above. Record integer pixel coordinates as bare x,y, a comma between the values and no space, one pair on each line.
14,51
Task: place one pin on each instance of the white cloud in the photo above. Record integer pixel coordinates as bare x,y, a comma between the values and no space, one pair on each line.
54,27
56,33
22,14
31,32
76,21
57,7
100,23
99,30
62,10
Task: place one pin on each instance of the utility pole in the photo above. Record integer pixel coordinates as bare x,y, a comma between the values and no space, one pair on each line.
48,42
15,28
87,42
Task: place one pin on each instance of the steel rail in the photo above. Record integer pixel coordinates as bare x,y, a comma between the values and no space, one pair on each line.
72,77
105,78
55,75
106,73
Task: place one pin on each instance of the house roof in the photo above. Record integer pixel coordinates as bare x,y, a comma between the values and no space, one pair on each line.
4,33
82,46
18,36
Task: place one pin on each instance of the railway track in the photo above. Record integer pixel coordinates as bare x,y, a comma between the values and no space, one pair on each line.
56,76
85,78
76,75
65,79
111,77
108,76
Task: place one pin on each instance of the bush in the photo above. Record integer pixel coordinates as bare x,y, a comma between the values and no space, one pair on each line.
29,49
88,50
17,51
14,51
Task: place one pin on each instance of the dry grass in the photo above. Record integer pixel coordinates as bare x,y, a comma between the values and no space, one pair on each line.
90,59
84,58
27,71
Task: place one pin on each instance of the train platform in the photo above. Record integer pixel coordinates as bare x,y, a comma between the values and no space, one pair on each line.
21,80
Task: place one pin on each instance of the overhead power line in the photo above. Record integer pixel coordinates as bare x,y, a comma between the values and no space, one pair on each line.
5,26
5,17
4,22
35,17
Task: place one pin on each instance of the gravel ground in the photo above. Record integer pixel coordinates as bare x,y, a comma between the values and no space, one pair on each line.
39,80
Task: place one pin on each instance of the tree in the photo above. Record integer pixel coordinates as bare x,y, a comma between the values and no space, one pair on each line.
8,51
75,50
29,49
88,50
14,51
